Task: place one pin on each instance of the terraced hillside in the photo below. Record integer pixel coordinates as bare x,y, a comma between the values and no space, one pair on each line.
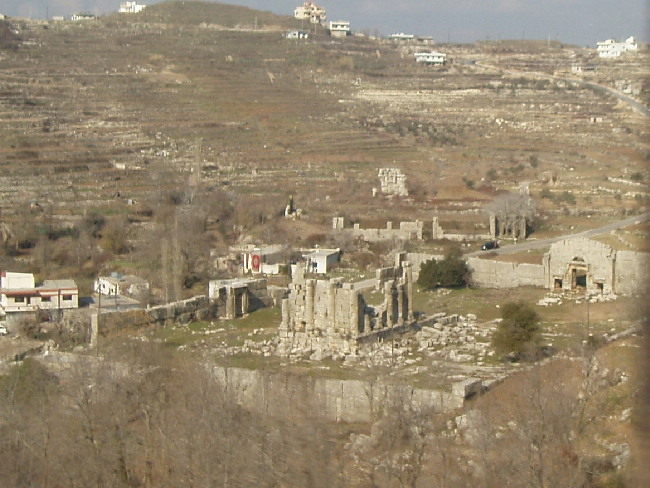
128,108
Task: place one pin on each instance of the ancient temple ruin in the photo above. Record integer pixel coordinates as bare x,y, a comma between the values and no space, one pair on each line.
330,317
393,182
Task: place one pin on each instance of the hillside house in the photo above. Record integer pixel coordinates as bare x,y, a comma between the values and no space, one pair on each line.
261,259
320,261
118,284
131,8
83,16
613,49
431,58
19,293
296,34
310,11
401,37
339,28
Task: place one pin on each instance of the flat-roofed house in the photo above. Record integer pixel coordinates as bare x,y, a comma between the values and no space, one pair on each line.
339,28
431,58
321,260
118,284
19,293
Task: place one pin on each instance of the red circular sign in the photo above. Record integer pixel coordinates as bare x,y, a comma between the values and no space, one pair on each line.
256,262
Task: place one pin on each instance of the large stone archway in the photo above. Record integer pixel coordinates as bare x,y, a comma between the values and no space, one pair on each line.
580,264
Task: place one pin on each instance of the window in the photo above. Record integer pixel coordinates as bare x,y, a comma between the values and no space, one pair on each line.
67,297
46,299
19,299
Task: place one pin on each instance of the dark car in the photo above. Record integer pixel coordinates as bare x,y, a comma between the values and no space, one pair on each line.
490,245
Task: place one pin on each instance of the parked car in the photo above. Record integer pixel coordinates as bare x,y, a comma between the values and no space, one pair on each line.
490,245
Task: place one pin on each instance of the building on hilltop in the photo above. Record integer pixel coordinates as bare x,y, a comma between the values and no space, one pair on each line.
339,28
431,58
401,37
296,34
131,8
310,11
83,16
19,293
613,49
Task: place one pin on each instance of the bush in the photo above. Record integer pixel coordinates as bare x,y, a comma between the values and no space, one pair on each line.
518,333
448,272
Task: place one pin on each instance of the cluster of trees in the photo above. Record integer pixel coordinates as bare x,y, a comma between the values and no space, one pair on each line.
145,418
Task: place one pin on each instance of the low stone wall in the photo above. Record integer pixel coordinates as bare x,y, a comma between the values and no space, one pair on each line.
185,311
336,399
489,273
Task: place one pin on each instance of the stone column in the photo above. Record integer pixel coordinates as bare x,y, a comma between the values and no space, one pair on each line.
285,314
309,304
230,303
244,302
388,299
493,226
354,312
522,228
331,305
436,231
408,276
400,305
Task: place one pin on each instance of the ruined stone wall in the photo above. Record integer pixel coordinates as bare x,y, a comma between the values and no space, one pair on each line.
407,231
331,318
596,257
632,273
392,182
185,311
489,273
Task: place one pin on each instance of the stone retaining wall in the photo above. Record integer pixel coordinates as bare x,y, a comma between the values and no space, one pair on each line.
340,400
489,273
185,311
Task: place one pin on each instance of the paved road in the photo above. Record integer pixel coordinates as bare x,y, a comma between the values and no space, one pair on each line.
608,90
544,243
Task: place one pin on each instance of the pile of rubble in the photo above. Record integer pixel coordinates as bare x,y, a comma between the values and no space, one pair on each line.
555,298
456,338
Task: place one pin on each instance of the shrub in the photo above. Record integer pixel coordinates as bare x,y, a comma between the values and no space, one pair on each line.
518,333
448,272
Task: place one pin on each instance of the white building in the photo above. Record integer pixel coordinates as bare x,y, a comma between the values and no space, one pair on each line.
339,28
296,34
83,16
131,8
118,284
261,259
321,260
613,49
431,58
401,37
311,11
19,293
